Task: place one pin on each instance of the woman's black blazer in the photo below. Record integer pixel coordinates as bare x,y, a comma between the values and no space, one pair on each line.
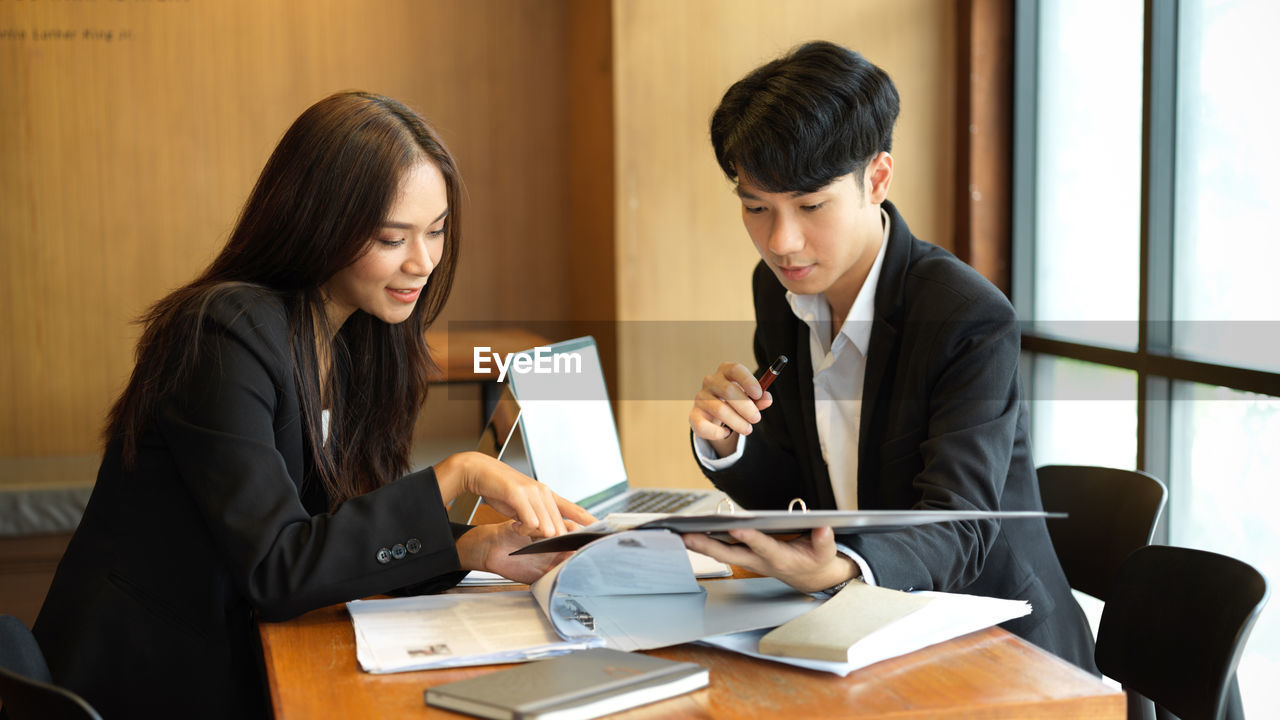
152,610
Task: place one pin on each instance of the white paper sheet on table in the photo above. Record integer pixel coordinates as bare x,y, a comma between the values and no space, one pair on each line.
437,631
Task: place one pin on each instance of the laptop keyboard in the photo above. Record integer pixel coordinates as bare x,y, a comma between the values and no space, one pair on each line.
651,501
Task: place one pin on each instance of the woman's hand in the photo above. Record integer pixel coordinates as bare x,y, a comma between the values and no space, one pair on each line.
489,548
728,404
539,511
808,563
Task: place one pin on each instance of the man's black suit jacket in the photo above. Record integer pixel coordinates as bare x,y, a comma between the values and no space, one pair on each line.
943,426
151,612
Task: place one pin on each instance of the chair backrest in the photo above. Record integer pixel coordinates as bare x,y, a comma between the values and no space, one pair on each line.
1175,625
1110,513
26,689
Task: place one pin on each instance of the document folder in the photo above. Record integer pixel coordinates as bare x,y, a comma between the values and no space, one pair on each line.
631,590
774,522
635,590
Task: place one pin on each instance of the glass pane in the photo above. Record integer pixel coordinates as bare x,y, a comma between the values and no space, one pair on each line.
1224,489
1225,297
1088,170
1083,414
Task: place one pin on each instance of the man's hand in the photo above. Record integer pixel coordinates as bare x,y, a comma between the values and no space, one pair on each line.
808,563
728,404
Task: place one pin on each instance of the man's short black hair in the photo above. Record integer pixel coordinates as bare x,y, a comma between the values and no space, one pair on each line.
801,121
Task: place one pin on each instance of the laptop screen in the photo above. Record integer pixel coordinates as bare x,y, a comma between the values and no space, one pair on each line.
566,420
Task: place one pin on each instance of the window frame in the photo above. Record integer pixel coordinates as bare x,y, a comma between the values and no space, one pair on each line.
1154,361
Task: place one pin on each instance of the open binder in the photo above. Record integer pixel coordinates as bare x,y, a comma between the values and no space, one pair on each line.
775,522
635,590
632,590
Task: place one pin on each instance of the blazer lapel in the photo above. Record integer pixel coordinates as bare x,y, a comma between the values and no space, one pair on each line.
821,487
882,350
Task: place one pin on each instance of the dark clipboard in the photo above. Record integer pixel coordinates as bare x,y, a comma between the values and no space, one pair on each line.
787,522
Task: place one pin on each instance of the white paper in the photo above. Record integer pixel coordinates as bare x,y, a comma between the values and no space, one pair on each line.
480,578
437,631
705,566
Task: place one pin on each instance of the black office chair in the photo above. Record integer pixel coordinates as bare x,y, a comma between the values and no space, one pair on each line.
1174,627
1110,513
26,688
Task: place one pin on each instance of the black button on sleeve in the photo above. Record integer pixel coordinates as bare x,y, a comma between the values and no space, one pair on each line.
384,556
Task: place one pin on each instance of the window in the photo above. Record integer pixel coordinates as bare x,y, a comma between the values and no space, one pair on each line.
1085,413
1145,263
1089,141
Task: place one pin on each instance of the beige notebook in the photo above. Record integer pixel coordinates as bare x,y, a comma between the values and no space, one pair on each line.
830,631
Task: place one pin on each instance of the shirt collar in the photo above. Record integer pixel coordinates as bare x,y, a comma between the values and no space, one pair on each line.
812,309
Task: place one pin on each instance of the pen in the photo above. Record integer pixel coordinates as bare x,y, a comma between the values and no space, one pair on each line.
766,379
773,371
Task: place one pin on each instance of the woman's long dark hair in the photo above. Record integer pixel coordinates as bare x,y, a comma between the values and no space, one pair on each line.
322,196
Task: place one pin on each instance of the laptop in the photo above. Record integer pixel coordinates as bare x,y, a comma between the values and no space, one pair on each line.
570,439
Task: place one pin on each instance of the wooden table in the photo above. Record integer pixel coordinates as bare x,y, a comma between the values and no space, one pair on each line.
311,667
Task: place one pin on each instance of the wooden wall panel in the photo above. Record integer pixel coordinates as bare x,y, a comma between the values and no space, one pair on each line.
124,162
984,126
683,258
589,71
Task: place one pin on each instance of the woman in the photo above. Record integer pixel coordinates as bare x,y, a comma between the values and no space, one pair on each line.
251,461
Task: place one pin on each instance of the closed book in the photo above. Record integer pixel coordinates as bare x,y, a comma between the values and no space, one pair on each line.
580,685
864,624
832,630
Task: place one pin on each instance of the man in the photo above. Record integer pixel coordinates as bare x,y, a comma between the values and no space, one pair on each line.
903,390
